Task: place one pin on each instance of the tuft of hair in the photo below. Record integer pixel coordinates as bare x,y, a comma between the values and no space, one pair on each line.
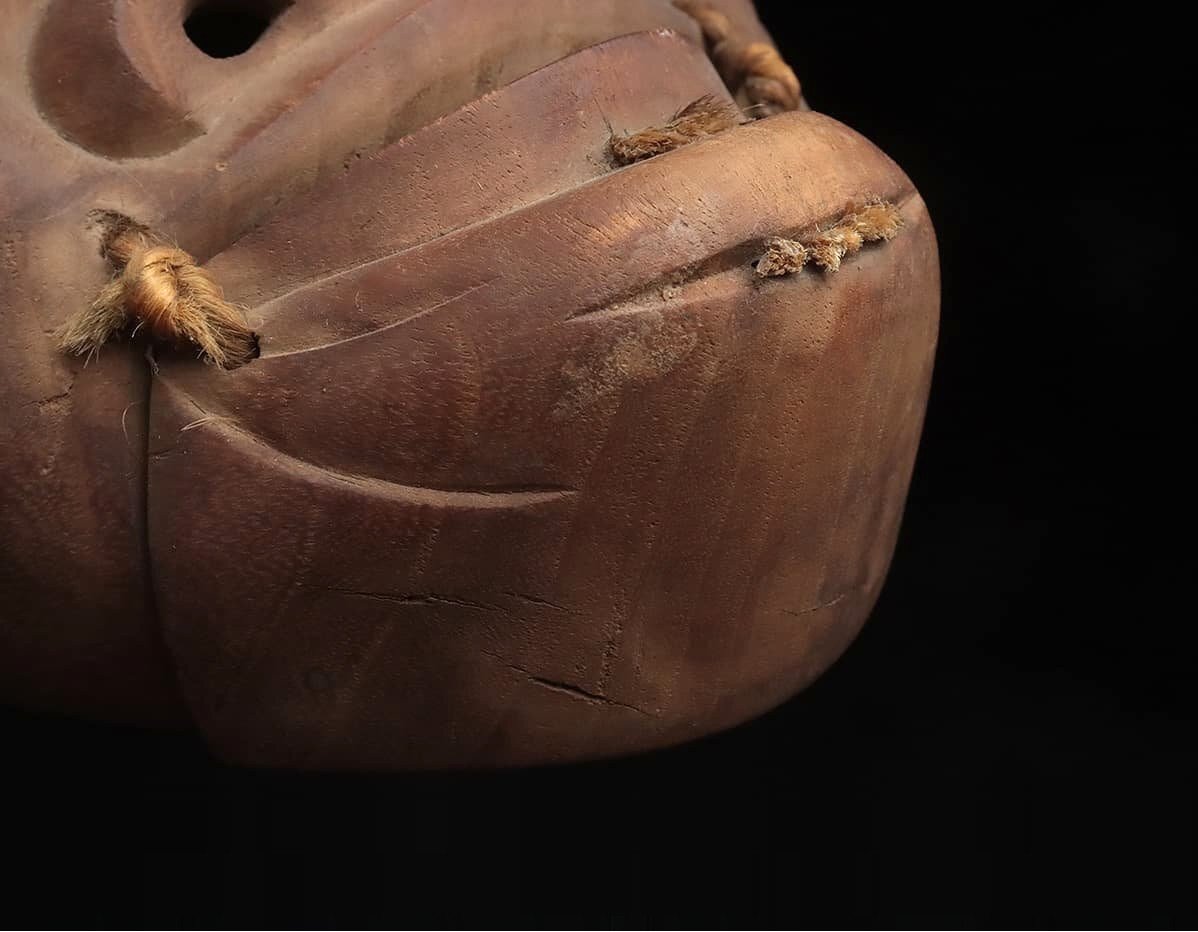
782,257
754,71
159,287
762,76
90,329
877,221
827,251
700,118
715,26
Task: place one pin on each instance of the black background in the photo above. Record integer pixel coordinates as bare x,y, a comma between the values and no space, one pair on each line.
1010,741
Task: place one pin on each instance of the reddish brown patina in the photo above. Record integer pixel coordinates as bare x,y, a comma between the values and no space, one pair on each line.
533,465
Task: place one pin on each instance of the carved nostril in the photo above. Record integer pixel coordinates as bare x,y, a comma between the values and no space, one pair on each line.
224,28
86,72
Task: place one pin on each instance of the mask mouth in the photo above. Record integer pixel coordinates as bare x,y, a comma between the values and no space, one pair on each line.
227,28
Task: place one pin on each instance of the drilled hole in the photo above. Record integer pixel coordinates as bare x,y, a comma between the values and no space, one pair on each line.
224,28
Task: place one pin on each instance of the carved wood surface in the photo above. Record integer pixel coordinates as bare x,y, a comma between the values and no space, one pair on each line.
533,466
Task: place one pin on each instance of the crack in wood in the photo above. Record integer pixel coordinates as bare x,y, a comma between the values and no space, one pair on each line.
535,600
568,689
815,608
423,599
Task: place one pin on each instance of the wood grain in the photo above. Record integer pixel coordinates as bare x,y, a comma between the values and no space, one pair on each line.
534,467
